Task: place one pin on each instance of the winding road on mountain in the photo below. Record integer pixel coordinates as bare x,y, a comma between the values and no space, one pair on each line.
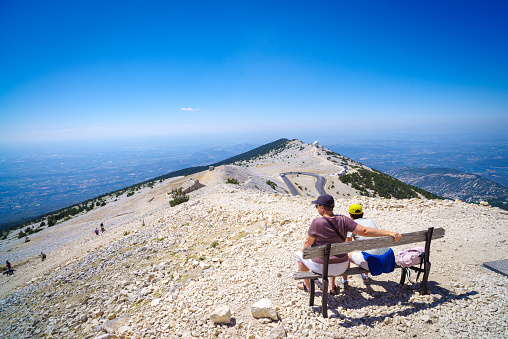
320,183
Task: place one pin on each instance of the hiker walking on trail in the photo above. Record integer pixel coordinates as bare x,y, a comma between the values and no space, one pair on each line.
102,228
8,267
43,256
96,231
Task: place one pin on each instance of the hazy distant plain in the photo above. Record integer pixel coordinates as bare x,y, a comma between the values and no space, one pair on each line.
37,180
487,157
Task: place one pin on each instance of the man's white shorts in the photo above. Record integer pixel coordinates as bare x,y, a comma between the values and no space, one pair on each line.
359,260
333,269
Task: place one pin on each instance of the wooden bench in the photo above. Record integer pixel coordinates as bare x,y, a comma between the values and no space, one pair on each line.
325,251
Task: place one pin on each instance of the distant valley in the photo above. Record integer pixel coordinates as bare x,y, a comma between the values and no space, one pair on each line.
485,157
38,181
454,184
346,178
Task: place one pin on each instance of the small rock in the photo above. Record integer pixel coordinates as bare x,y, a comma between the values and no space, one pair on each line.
426,319
124,330
221,315
277,333
106,336
264,309
112,325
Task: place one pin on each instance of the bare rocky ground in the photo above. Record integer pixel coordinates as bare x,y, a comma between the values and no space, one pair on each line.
233,245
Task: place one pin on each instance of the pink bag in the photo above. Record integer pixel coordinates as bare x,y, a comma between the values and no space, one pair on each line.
410,257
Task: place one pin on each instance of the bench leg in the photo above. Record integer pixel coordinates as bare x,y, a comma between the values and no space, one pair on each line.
425,277
312,292
324,303
402,276
426,259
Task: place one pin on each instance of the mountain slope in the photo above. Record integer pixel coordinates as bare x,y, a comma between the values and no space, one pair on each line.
103,199
344,178
454,184
160,271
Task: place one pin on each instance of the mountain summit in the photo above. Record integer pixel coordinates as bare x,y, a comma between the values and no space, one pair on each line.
297,161
162,271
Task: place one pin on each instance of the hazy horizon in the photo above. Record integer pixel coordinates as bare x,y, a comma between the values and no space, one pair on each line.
106,70
37,180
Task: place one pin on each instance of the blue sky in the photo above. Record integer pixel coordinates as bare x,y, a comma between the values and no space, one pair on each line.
73,70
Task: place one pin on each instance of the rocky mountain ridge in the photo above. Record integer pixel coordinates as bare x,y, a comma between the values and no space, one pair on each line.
171,272
280,151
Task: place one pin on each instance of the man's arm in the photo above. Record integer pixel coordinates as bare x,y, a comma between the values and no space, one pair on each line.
372,232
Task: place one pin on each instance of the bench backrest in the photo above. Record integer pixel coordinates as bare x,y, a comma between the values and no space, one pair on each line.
370,244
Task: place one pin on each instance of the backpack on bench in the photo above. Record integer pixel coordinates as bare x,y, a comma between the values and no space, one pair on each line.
411,257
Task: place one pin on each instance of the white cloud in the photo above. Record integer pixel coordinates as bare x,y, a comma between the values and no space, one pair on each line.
190,109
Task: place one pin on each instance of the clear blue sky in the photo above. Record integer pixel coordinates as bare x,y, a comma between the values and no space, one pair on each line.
92,69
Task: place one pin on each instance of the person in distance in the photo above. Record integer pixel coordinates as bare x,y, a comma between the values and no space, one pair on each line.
8,268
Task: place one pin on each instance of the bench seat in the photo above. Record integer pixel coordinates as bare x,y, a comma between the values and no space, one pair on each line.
349,271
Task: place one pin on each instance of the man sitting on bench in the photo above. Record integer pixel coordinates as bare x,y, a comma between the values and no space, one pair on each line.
357,257
331,228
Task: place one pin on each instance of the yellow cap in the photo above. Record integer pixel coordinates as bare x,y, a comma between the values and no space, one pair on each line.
355,209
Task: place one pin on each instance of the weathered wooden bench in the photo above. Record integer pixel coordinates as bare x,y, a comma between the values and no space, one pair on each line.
326,251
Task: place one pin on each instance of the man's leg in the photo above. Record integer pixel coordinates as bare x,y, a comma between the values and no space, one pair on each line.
350,255
345,283
358,259
332,283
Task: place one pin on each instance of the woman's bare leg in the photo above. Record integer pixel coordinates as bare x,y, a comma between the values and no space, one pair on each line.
304,268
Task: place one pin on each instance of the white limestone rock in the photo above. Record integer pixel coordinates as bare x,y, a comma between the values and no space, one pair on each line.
426,318
106,336
124,330
97,313
264,309
111,326
221,315
277,333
